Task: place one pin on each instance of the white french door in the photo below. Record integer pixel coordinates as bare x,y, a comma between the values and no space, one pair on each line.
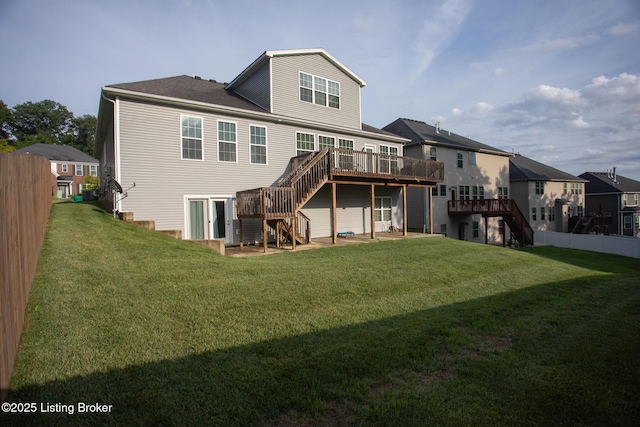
209,218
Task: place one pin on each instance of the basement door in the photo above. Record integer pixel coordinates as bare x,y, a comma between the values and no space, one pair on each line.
209,219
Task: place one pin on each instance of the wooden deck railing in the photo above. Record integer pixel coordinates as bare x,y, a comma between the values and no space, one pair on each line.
266,203
507,208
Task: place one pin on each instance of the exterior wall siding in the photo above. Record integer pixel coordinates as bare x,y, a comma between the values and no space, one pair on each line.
151,156
286,91
257,88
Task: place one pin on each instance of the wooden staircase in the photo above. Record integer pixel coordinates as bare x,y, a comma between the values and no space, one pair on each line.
521,231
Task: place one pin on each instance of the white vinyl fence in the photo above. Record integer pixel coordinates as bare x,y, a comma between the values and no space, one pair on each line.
618,245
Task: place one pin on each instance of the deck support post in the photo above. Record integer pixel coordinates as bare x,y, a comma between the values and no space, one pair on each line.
430,191
240,227
486,231
373,212
504,233
294,232
264,234
334,217
404,210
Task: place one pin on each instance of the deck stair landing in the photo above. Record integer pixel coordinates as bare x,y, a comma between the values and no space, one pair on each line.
521,231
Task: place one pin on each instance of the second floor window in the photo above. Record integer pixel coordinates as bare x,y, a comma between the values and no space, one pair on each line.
305,143
478,192
64,168
534,215
93,170
258,144
388,162
464,192
552,213
503,192
191,138
432,154
227,142
539,187
326,142
460,160
319,91
79,170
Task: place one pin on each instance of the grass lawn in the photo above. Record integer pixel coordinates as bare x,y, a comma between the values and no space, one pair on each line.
408,333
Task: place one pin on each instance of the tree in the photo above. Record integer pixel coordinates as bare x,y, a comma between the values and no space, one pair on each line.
39,118
82,133
5,119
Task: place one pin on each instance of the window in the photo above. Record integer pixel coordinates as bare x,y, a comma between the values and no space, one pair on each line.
464,192
227,142
382,209
191,137
552,213
93,170
389,159
628,222
79,170
635,199
432,154
539,187
434,191
345,160
319,91
576,188
443,229
443,190
65,168
258,144
565,191
305,143
326,142
503,192
580,211
501,226
472,158
478,192
460,160
476,229
533,214
542,213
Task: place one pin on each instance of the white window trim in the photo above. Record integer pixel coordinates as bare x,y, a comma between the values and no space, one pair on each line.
335,140
313,90
210,198
382,209
295,142
75,170
65,167
266,145
93,168
228,142
201,139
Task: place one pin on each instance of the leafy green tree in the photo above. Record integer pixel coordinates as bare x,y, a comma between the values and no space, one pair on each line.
38,118
82,133
5,119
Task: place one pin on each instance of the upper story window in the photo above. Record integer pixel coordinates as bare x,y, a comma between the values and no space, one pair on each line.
319,91
65,168
464,192
258,144
191,137
460,160
93,170
635,199
227,147
79,170
472,158
503,192
565,191
478,192
388,162
432,154
533,214
539,187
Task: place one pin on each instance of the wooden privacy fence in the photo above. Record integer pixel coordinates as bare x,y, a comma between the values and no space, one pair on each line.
25,203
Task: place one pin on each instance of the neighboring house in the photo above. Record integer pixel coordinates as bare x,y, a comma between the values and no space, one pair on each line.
548,196
472,203
278,153
609,194
69,167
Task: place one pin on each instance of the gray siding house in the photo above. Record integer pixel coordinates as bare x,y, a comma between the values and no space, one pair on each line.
473,202
278,154
550,197
616,197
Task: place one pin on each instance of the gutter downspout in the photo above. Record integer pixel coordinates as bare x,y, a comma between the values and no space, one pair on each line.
116,153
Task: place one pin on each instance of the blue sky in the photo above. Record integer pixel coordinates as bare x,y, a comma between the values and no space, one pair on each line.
557,81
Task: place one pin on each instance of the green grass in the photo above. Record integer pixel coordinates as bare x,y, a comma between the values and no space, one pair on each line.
413,332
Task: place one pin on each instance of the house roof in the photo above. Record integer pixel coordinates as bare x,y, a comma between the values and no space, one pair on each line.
64,153
421,133
522,168
192,89
599,182
267,55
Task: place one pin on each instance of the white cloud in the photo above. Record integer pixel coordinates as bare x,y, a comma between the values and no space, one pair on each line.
622,28
555,95
437,32
622,89
500,71
457,112
579,122
484,108
564,43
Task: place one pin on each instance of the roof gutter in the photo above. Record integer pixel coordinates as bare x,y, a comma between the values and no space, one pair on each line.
238,112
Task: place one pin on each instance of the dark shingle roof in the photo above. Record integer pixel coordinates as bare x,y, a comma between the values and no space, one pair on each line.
525,169
57,152
420,132
192,89
599,182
